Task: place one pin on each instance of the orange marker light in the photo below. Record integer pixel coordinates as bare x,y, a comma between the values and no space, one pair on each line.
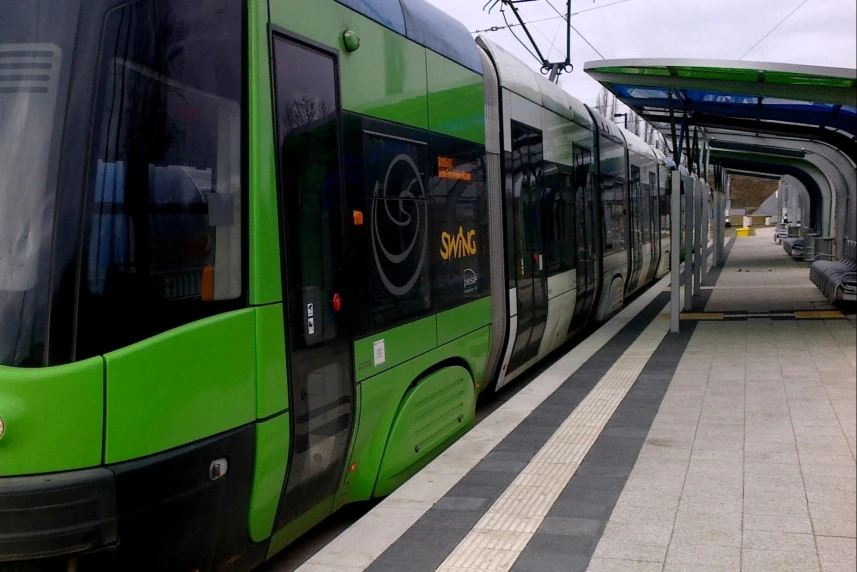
207,287
352,468
358,218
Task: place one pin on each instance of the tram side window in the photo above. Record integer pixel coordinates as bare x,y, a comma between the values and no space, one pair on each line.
558,217
612,159
585,240
665,204
638,218
164,243
397,204
652,198
527,172
458,245
511,167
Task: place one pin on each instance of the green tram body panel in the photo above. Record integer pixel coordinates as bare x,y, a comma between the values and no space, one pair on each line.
381,395
181,386
272,395
456,99
385,78
265,273
54,416
433,411
272,455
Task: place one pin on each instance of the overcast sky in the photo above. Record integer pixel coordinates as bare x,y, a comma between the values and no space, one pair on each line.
820,32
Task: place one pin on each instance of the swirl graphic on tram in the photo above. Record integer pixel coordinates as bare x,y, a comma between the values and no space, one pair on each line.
405,217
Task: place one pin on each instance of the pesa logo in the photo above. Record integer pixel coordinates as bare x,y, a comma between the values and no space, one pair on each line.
471,281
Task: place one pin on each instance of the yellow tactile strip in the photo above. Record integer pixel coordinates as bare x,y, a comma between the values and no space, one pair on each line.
819,315
501,535
800,315
702,316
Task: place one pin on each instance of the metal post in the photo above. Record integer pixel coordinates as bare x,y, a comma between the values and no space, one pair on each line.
688,241
706,216
675,248
707,159
719,235
697,236
716,223
780,192
709,212
729,194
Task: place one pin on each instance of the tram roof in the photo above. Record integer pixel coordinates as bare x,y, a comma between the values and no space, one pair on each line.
726,95
426,25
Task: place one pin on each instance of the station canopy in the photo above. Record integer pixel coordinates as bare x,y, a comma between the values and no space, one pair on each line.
730,96
754,117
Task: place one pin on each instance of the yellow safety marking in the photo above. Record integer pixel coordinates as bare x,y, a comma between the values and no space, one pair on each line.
819,314
702,315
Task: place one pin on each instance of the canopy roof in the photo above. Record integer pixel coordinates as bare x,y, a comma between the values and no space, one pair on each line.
763,97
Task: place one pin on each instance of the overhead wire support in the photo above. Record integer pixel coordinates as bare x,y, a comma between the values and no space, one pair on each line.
511,4
552,69
513,25
538,58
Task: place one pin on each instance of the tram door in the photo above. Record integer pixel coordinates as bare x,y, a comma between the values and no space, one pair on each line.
585,213
321,388
653,224
635,232
531,271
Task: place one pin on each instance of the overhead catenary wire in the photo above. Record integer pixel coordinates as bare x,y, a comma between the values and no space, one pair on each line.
514,25
772,30
576,31
552,43
598,7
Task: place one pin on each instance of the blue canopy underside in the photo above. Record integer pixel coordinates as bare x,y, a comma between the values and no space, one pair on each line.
842,117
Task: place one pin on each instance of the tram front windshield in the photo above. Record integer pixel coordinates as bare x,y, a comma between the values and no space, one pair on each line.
120,172
37,38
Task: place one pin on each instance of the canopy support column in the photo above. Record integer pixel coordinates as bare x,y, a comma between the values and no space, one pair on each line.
706,229
689,201
780,196
675,250
698,261
719,220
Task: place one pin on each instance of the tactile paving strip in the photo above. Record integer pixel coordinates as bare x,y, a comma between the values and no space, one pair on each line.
499,538
796,315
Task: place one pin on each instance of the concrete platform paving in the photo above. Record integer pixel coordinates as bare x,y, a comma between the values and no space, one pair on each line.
759,277
729,446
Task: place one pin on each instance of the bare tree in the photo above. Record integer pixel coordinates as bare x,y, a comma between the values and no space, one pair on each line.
602,101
